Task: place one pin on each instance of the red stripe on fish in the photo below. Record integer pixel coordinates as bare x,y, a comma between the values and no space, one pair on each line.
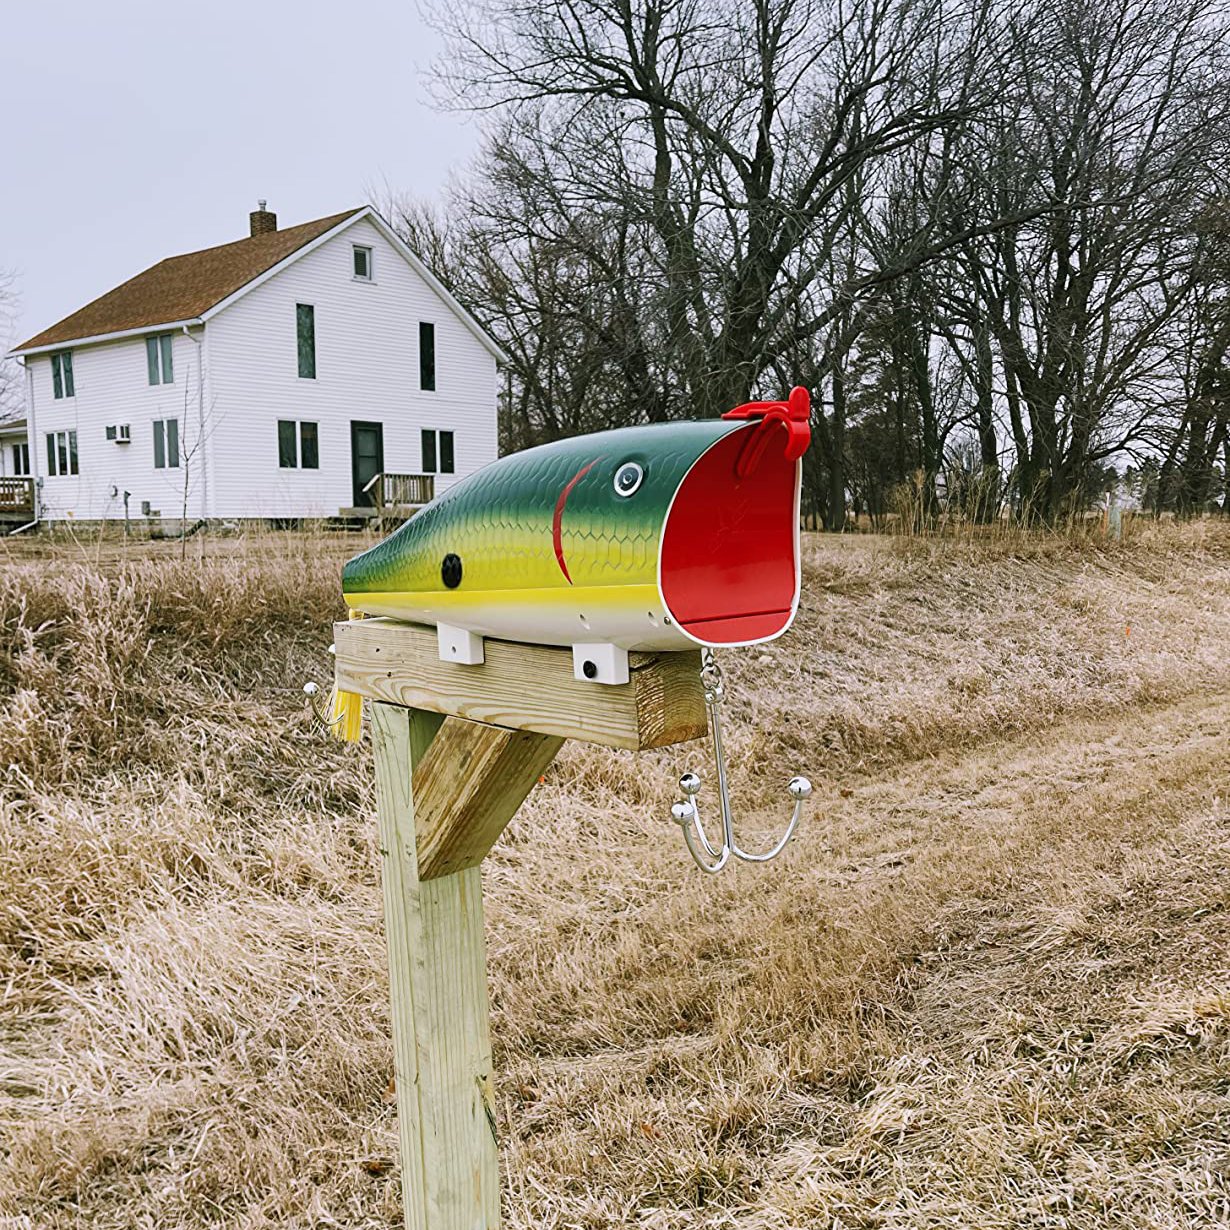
557,523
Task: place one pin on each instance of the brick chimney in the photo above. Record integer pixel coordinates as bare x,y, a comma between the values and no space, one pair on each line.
262,221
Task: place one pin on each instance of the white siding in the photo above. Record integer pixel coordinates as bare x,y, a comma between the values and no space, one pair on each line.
111,386
367,369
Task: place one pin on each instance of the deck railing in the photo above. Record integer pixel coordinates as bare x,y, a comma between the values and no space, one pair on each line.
400,494
17,496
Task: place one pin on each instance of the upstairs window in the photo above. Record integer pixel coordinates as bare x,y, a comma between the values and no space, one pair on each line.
61,453
437,452
298,445
427,356
62,375
158,358
166,444
305,336
362,263
21,460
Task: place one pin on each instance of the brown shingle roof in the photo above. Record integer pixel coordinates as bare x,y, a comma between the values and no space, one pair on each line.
182,287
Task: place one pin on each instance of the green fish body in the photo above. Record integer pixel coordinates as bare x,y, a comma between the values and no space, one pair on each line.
657,537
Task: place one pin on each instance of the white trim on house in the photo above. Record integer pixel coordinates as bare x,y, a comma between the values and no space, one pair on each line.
105,337
366,212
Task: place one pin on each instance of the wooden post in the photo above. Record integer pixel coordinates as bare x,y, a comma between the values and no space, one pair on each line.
438,989
446,785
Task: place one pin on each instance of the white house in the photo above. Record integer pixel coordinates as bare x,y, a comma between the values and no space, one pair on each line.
273,377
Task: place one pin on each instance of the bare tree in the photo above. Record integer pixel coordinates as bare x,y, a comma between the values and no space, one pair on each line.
1201,441
965,225
12,391
713,142
1124,113
1063,313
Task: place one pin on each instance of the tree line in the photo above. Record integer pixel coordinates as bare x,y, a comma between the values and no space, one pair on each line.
993,239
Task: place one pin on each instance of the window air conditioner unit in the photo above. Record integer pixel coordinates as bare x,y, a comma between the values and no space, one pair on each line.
121,433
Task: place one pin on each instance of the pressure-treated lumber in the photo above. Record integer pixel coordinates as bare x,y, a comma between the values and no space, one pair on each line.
468,786
438,991
524,687
457,749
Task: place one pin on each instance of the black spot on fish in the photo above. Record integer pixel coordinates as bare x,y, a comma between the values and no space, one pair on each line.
450,571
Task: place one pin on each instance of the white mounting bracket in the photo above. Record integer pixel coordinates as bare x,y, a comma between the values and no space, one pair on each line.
600,663
459,645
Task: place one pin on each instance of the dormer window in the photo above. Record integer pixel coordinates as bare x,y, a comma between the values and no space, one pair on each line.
362,264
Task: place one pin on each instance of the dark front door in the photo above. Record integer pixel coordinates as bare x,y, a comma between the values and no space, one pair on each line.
366,459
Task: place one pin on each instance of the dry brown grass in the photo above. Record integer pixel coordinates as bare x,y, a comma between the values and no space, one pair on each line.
987,987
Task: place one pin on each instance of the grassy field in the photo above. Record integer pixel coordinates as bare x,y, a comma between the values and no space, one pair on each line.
989,986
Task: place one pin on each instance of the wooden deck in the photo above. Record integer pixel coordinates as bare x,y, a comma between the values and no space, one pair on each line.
16,500
398,497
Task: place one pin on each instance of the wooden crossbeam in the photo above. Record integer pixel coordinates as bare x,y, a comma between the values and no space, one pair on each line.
468,786
524,687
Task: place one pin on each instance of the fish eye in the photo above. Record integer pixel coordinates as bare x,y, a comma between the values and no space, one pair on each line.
628,478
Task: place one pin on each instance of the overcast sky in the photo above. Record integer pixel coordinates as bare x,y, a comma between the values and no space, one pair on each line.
139,130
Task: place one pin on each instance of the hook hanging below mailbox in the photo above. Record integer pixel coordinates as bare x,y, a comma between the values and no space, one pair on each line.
342,714
705,854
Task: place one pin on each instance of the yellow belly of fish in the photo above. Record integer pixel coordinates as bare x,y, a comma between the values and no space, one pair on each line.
631,616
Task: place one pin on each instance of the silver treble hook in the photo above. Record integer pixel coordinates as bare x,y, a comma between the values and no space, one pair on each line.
311,691
686,814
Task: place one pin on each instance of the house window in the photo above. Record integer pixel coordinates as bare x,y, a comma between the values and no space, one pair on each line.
298,445
437,452
61,453
158,358
427,355
21,460
166,444
62,374
305,335
287,454
309,448
362,263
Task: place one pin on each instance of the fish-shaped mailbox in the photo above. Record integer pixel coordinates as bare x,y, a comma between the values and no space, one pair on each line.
665,536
